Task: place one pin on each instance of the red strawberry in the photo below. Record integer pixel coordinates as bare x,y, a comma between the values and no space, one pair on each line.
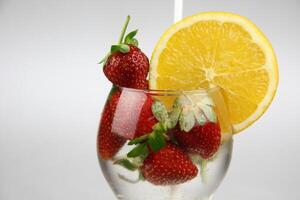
108,142
128,69
204,140
133,117
147,120
168,166
143,84
127,65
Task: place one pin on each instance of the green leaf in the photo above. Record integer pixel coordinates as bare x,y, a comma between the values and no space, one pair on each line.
104,59
160,111
186,120
124,48
126,164
114,48
141,177
130,36
134,42
174,117
199,115
166,136
156,141
139,150
209,113
119,47
182,101
138,161
160,127
129,39
206,106
157,127
138,140
207,101
178,104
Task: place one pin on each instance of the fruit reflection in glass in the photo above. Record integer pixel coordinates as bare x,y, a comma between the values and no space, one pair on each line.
164,144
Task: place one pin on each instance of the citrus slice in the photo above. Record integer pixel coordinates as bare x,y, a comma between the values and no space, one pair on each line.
219,49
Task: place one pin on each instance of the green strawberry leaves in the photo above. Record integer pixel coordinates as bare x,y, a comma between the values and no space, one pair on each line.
204,110
186,120
160,111
123,48
157,138
156,141
103,60
209,113
200,116
139,150
167,119
191,109
123,44
174,114
129,39
138,140
126,164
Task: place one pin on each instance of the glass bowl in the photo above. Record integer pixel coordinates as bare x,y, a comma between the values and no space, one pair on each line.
148,123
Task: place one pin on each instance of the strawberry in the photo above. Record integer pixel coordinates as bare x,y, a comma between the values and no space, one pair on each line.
128,69
203,140
146,119
126,65
168,166
109,143
133,117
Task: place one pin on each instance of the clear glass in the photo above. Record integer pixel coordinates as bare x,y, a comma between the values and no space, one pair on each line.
126,184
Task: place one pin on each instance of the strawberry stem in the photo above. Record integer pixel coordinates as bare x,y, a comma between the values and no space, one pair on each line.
204,170
121,48
124,29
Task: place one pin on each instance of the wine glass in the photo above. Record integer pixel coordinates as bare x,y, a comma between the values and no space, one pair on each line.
144,142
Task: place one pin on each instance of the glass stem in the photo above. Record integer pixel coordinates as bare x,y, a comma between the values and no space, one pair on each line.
175,195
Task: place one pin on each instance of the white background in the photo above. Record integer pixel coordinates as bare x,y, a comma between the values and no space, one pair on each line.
52,92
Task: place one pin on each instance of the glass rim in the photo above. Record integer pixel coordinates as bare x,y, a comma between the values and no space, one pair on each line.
171,91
